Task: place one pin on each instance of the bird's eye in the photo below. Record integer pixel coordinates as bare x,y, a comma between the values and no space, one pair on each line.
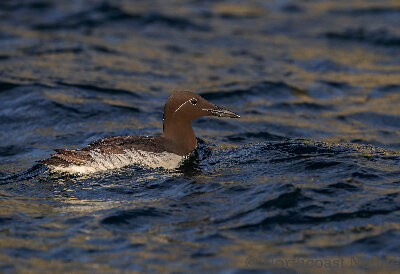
193,101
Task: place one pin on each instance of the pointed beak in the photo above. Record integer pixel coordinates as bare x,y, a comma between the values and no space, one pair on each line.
220,112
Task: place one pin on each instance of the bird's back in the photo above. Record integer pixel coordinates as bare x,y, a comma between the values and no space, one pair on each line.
116,152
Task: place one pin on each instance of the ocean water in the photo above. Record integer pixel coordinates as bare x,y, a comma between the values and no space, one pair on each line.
306,181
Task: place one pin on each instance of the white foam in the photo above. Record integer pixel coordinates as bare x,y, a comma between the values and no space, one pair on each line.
102,162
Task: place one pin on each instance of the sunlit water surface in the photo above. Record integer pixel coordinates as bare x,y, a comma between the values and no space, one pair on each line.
310,171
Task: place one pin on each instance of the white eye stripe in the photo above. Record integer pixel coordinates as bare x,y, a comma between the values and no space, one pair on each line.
183,104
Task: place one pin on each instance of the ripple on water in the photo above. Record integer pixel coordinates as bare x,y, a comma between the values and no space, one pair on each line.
138,219
380,37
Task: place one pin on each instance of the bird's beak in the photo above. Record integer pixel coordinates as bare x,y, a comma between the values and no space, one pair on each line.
220,112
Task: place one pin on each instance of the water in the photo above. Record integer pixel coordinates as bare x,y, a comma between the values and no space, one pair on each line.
310,173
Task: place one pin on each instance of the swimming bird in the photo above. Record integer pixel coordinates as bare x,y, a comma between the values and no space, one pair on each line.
167,150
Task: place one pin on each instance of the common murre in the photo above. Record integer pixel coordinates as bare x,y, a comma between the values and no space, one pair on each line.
167,150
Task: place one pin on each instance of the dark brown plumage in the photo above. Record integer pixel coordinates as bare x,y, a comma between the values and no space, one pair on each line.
178,136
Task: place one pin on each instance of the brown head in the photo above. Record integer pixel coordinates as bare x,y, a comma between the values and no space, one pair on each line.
181,108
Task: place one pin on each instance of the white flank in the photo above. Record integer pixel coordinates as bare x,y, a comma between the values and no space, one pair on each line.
102,162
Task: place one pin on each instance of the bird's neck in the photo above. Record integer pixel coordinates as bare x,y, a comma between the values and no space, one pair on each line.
181,134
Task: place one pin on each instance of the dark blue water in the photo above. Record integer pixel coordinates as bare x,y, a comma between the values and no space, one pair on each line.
307,180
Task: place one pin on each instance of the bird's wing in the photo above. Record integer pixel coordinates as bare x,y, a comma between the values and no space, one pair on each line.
118,144
108,145
67,156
